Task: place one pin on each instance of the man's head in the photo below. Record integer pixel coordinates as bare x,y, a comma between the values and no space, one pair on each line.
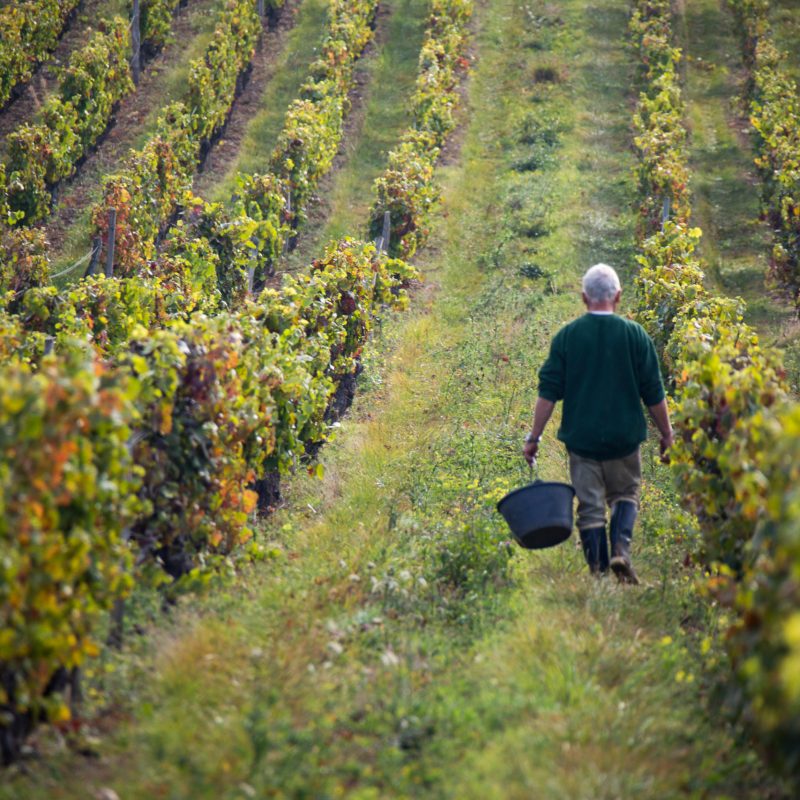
601,289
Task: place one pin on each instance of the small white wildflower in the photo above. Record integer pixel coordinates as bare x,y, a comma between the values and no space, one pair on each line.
389,658
335,648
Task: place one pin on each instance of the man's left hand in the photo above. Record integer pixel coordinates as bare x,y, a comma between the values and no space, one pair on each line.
530,450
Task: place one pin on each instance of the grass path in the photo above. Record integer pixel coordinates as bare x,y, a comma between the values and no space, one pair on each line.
263,119
396,645
785,18
385,80
735,245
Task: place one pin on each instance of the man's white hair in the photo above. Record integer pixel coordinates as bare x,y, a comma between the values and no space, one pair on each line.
601,283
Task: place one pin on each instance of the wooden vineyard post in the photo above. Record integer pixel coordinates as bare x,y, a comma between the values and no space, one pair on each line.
287,244
116,631
382,243
94,259
136,60
251,268
387,231
665,209
112,235
261,8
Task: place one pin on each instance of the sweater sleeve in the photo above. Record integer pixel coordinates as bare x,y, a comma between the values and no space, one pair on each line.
651,387
553,372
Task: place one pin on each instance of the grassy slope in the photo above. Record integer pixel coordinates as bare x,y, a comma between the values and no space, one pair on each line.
388,75
786,28
736,245
391,649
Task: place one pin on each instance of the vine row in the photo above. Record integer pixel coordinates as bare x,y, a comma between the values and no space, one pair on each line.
137,442
118,464
406,188
775,117
42,154
248,235
147,190
738,442
97,77
31,29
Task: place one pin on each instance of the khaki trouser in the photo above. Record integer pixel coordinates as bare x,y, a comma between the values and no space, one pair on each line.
601,483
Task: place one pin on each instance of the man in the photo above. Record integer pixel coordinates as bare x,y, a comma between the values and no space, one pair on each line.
603,367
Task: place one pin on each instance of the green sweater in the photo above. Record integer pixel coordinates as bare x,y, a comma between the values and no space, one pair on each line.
603,367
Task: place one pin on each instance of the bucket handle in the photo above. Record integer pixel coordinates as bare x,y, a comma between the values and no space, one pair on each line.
533,470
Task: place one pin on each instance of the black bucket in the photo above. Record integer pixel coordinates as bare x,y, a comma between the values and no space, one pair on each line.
539,515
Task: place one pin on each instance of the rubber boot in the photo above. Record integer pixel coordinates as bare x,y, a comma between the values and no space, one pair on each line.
623,519
595,548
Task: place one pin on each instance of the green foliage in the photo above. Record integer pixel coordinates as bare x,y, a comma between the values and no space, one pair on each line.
7,216
68,488
406,188
765,642
307,145
218,400
148,190
213,79
775,117
163,438
725,379
41,155
669,277
312,129
650,30
31,29
105,311
155,22
660,135
202,396
249,234
23,263
737,446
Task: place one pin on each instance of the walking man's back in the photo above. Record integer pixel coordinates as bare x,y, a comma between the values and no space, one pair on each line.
603,368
